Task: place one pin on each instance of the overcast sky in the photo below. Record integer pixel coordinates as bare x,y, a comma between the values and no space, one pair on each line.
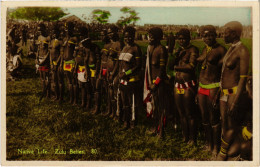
177,15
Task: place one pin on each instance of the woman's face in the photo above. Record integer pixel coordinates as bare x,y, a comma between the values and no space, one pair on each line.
228,35
209,38
151,38
183,41
128,38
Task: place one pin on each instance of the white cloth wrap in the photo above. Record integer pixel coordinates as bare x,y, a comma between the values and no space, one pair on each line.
125,56
81,77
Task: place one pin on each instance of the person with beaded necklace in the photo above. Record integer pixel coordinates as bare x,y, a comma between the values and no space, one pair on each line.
185,85
129,67
233,85
211,59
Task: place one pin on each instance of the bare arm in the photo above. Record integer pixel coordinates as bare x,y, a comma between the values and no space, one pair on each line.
202,57
244,65
192,62
138,55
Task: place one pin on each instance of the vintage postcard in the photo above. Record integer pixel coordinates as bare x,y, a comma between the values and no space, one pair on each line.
142,83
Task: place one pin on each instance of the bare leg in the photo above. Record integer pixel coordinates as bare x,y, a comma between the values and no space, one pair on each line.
181,110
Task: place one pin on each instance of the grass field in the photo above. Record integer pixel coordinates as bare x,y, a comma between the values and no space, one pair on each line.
65,128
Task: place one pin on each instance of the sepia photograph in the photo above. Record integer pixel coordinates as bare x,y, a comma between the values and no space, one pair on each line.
143,82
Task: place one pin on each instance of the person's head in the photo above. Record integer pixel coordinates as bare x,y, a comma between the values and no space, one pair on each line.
104,36
129,35
209,35
56,30
232,31
155,35
41,29
69,27
113,33
184,37
83,32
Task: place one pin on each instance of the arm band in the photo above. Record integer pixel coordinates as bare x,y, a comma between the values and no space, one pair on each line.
91,65
162,62
72,42
128,72
247,133
243,76
192,65
157,81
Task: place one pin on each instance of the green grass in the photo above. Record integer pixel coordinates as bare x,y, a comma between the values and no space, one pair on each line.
53,126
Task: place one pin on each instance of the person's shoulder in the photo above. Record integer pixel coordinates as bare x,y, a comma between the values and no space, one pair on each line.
243,50
74,38
136,47
107,46
193,49
221,48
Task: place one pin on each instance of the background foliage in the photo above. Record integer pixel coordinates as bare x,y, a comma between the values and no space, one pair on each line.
37,13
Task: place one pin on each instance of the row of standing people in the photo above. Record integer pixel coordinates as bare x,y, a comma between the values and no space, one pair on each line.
115,72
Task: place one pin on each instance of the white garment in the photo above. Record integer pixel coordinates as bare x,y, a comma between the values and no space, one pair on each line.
147,82
81,77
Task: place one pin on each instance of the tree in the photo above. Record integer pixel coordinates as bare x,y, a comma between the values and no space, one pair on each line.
131,17
101,15
37,13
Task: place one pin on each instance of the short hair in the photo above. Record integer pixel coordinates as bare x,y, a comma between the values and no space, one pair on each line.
70,25
114,28
235,26
208,28
156,32
83,31
42,26
131,30
184,32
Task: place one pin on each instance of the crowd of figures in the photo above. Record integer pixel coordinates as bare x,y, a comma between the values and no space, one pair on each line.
128,79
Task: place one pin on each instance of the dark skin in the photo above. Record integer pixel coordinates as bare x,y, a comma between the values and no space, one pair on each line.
69,45
92,57
236,65
42,57
55,52
158,59
242,144
134,64
102,80
210,73
112,65
79,55
185,72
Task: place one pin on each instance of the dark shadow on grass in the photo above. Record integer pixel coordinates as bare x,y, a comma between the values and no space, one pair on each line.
23,94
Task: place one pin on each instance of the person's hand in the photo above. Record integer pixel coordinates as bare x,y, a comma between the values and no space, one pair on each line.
122,75
110,78
60,69
233,109
197,99
169,76
153,88
74,73
86,76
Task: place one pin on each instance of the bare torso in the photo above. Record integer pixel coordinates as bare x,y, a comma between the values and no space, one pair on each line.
211,64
